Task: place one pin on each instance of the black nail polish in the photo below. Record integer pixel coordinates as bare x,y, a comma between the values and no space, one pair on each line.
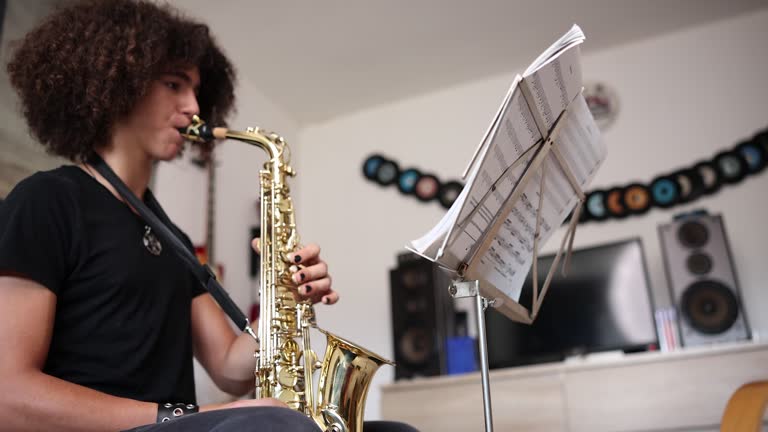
307,289
302,276
297,258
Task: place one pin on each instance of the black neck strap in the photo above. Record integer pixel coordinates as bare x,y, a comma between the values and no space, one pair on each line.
163,228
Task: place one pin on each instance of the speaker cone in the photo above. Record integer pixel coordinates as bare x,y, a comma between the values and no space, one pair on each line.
709,307
699,263
693,234
416,345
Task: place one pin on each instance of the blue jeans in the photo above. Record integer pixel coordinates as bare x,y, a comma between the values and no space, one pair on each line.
256,419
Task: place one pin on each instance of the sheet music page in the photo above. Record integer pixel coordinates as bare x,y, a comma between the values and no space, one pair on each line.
484,142
556,84
428,245
515,132
431,245
507,262
573,36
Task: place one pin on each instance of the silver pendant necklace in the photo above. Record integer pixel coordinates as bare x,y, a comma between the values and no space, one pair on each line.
151,242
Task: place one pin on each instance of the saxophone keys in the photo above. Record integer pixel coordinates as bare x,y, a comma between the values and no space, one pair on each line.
313,362
261,375
287,377
290,350
334,421
256,380
289,397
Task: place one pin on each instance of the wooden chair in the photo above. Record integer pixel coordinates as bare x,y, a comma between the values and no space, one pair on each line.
745,409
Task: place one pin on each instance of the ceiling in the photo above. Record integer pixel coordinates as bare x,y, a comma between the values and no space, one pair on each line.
320,59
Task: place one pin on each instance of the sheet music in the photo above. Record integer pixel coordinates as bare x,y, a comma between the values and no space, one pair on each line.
504,155
432,243
556,84
572,37
508,260
515,132
499,112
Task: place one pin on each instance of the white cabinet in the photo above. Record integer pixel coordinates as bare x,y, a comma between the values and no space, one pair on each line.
686,389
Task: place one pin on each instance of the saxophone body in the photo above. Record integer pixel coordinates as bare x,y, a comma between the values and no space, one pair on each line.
285,361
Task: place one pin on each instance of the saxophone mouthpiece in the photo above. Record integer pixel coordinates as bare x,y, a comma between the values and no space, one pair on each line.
197,131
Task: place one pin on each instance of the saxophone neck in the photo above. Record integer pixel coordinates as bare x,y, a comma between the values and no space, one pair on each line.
270,142
273,144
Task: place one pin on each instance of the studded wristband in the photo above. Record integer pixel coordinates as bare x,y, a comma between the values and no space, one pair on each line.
169,411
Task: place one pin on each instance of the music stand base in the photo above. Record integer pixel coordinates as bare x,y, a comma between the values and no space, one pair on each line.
463,289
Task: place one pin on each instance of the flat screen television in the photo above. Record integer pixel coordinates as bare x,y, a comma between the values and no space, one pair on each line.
604,304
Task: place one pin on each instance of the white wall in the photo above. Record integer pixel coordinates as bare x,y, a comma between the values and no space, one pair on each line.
684,97
20,155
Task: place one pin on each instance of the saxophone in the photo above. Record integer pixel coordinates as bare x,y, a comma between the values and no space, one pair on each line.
285,361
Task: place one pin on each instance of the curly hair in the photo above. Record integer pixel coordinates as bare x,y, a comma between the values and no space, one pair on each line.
88,64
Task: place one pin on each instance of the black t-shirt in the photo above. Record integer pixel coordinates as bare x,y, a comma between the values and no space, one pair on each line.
122,322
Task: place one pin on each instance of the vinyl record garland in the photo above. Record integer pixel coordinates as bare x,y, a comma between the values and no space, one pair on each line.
682,186
411,181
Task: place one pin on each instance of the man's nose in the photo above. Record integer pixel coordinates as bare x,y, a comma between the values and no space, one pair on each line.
189,105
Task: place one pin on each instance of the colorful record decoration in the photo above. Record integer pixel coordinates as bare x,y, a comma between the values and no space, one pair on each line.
411,181
685,185
595,206
449,192
614,203
407,180
691,185
754,155
703,178
665,191
636,199
709,176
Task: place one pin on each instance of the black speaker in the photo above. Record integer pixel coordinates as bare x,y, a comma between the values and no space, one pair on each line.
702,280
422,317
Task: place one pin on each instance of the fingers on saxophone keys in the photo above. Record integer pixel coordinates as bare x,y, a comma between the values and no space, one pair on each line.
316,290
310,273
305,255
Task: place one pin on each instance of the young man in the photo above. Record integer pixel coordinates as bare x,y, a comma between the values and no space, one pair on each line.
98,327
